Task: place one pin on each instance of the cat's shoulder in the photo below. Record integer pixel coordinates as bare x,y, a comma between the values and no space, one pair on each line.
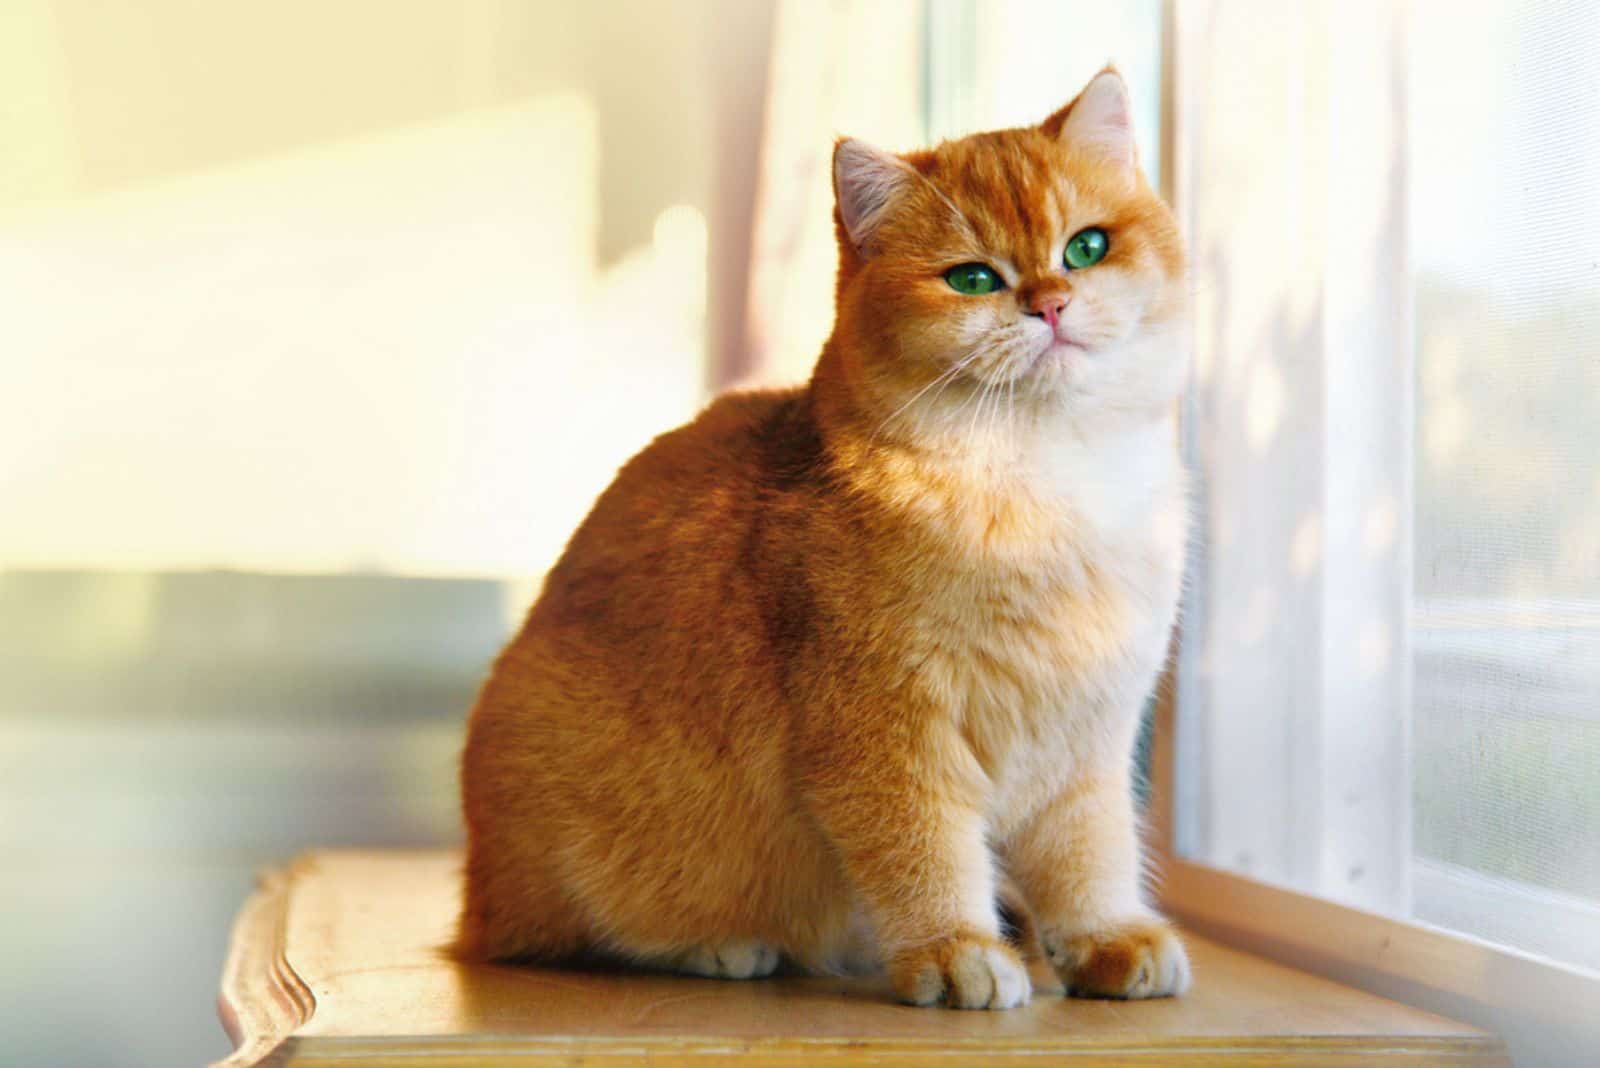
775,418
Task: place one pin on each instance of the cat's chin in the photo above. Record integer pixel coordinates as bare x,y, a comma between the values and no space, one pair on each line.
1051,368
1059,351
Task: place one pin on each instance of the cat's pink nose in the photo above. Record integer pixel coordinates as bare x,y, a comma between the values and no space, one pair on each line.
1048,306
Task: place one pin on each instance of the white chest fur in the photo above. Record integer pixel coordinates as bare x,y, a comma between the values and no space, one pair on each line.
1051,634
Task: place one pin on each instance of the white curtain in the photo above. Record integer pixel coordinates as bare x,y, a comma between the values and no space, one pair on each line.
1390,682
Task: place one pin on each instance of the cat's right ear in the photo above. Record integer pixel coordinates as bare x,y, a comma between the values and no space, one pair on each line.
866,183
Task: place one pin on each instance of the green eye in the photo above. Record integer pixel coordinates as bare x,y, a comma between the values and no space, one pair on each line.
1087,248
973,279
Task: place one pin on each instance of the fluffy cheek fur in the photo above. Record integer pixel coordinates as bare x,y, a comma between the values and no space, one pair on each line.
1130,320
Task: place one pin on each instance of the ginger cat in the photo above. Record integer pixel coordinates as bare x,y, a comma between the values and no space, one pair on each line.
831,670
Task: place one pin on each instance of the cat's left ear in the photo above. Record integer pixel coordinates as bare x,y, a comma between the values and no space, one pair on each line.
1099,121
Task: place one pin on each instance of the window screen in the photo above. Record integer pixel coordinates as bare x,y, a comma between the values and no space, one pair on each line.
1505,630
1389,680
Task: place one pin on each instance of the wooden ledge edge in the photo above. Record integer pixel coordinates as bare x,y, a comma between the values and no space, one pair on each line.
262,1001
680,1051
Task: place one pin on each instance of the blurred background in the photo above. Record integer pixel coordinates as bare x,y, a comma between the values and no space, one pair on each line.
321,325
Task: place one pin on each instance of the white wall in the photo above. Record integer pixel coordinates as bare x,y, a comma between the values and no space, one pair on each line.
363,285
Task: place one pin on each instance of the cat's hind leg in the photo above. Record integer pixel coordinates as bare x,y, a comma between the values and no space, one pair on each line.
515,908
730,960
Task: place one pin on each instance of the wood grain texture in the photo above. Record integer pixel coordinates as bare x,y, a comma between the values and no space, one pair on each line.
340,960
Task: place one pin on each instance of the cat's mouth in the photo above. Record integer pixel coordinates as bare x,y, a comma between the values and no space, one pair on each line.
1056,350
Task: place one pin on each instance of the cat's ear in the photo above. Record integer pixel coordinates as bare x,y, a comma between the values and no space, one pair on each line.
866,183
1099,120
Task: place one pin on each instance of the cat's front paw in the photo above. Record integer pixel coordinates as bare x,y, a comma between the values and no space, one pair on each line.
1134,958
962,971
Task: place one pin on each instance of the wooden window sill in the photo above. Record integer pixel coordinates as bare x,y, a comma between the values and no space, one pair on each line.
338,960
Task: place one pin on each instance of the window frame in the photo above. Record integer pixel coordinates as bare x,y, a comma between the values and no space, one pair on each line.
1544,1010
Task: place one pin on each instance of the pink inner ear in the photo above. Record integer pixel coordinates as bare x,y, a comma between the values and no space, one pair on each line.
1101,120
866,180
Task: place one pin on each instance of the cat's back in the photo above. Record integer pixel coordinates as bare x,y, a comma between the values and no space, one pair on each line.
741,449
675,558
658,610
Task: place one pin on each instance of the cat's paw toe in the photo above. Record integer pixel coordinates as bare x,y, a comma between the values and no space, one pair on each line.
731,960
1137,958
964,972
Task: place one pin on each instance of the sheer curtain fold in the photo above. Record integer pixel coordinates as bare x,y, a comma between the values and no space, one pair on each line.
1390,684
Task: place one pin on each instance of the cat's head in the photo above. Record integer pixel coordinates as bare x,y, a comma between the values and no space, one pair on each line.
1024,272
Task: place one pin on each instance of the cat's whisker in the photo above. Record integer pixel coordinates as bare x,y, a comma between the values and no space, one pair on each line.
945,376
965,362
954,416
974,398
992,430
977,408
1011,412
983,397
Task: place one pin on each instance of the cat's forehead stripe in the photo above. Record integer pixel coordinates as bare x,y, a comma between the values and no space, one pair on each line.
1015,198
